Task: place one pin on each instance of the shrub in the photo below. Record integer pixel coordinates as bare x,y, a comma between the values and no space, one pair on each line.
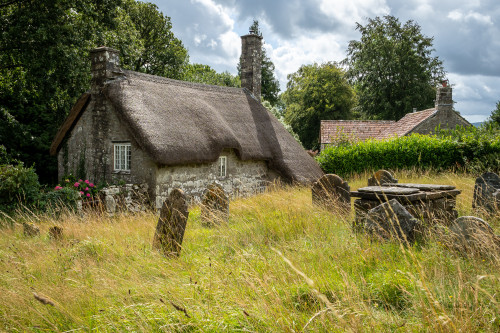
472,149
18,185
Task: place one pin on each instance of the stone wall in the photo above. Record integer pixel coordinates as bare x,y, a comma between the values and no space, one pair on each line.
242,178
445,119
251,63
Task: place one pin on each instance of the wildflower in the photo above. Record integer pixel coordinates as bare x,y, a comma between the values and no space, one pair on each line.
57,188
86,189
91,184
79,180
87,181
77,184
81,192
88,195
67,180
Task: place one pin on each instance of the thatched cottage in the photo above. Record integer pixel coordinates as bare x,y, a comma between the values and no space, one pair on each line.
143,129
422,122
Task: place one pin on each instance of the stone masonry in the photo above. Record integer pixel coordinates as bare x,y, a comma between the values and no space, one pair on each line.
250,61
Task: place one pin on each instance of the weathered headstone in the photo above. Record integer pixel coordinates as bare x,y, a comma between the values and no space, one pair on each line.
55,232
30,230
472,233
331,192
391,220
214,205
381,177
486,186
171,224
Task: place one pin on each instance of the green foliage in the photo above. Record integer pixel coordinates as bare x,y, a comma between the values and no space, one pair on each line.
392,68
64,197
44,63
474,149
495,115
18,186
207,75
316,92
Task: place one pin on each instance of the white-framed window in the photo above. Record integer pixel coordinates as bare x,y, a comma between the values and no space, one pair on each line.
122,154
222,166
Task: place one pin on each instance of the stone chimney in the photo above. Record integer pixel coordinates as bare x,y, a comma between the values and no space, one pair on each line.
105,65
250,63
444,101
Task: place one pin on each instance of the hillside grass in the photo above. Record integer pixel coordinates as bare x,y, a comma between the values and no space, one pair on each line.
278,265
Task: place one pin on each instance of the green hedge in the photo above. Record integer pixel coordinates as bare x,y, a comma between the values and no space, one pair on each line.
464,148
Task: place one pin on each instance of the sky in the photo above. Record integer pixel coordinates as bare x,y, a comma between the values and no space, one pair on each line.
296,32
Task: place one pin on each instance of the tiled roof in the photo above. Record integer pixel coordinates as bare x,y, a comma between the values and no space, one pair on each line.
404,125
358,130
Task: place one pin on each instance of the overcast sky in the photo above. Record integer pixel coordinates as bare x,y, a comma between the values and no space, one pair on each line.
466,36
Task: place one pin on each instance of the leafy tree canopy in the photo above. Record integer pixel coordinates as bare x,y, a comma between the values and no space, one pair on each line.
495,115
314,93
392,68
44,63
205,74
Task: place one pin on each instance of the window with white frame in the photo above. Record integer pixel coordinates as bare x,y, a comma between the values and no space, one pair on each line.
222,166
122,156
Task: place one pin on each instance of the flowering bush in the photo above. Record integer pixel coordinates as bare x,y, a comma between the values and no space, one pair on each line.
86,189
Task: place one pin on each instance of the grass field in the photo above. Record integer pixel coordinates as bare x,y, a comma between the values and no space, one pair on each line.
278,265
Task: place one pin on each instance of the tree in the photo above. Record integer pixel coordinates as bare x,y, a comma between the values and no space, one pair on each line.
392,68
270,86
316,92
495,115
45,66
205,74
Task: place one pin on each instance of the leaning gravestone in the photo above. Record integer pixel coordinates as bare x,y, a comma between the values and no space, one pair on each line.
381,177
484,192
171,224
214,205
331,192
391,220
470,233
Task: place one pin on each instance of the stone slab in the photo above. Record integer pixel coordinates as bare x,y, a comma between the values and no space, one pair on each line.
388,190
423,187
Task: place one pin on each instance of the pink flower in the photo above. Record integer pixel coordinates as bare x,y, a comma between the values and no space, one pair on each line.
86,189
57,188
91,185
76,184
86,181
79,180
88,195
81,193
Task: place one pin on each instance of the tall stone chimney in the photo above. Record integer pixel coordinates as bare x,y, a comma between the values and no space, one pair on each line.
444,101
105,65
250,63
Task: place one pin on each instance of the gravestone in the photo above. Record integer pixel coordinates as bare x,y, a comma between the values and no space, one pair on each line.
470,233
171,224
55,232
331,192
30,230
214,205
391,220
381,177
484,192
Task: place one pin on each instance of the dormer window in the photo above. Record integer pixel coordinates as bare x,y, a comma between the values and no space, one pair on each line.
122,153
222,166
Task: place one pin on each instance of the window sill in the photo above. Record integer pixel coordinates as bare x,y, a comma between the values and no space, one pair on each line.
121,172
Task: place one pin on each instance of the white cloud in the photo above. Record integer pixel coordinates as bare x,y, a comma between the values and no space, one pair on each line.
458,15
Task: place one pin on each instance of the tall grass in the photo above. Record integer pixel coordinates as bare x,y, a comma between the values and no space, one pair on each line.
278,264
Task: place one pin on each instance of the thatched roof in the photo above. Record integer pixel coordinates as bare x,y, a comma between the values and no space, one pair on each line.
180,122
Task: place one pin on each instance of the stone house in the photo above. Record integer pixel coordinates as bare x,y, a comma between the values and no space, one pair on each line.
422,122
143,129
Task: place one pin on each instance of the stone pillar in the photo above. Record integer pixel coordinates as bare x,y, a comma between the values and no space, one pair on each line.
251,63
444,100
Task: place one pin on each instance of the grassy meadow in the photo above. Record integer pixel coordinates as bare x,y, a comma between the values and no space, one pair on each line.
278,265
